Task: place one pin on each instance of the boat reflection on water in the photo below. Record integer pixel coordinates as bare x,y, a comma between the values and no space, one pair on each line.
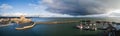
94,25
87,25
109,28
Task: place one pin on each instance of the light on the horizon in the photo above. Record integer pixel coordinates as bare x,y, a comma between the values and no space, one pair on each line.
113,13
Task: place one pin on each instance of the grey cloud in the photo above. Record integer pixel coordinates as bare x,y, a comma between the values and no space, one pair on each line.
115,4
76,7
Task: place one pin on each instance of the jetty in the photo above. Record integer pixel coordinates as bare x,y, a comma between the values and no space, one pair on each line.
26,27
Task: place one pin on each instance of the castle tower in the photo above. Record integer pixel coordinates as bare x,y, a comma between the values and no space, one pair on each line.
22,17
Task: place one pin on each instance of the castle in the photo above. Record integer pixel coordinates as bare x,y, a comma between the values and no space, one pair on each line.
21,20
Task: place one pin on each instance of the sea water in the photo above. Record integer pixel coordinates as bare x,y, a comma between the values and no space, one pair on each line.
48,29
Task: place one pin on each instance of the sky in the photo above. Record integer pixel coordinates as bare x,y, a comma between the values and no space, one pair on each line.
60,8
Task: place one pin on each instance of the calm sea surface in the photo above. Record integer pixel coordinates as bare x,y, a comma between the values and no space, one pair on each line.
48,29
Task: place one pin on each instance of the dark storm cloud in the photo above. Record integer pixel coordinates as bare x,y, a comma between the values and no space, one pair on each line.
76,7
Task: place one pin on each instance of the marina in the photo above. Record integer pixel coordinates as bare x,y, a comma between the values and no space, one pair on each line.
84,26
